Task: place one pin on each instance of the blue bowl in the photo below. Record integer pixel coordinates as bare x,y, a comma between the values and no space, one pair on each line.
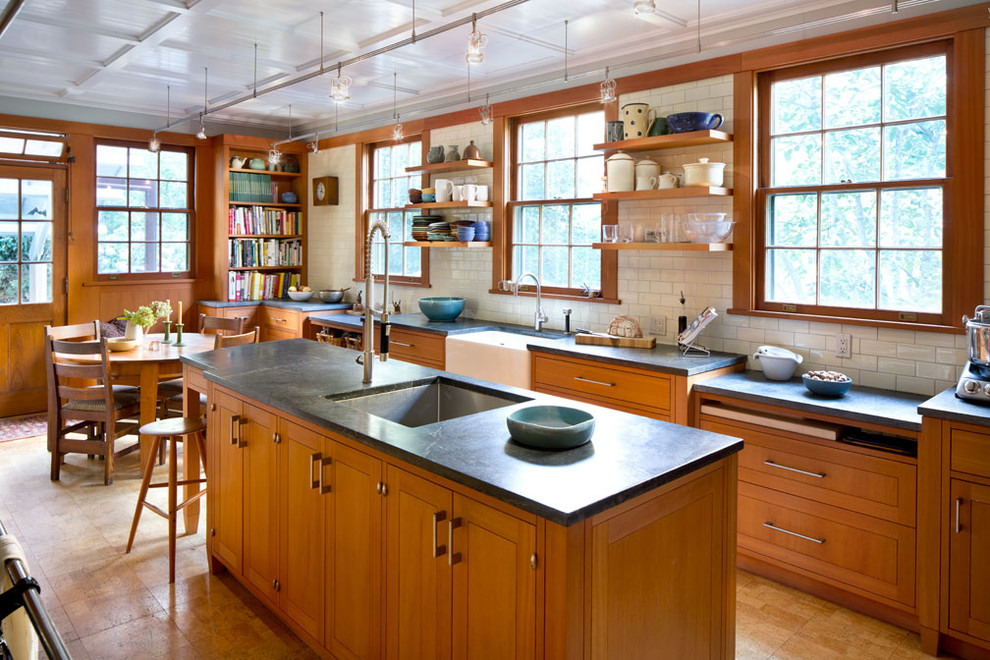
465,234
289,197
685,122
834,388
441,308
551,427
429,198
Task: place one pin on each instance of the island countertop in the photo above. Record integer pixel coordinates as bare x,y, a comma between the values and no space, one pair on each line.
628,455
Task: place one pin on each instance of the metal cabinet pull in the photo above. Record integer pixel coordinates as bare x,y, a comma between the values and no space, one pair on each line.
593,382
770,525
959,502
817,475
452,557
325,461
275,585
399,343
314,462
278,320
438,550
235,421
276,438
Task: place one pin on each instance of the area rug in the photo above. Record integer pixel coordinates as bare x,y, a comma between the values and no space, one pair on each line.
14,428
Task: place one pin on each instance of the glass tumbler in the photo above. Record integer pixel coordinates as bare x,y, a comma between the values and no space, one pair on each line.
610,233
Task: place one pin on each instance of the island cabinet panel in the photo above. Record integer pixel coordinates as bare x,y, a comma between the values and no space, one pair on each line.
494,587
260,500
417,571
226,462
422,348
969,548
305,487
354,555
656,565
248,312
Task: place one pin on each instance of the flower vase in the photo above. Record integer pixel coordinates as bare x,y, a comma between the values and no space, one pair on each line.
135,332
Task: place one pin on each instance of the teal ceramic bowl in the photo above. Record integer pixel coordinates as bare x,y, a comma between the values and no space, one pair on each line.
441,308
551,427
834,388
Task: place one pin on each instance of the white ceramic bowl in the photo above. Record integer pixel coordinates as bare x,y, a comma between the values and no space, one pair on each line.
120,344
704,173
300,296
777,363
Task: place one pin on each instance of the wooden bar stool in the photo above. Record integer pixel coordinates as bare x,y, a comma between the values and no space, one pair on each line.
174,429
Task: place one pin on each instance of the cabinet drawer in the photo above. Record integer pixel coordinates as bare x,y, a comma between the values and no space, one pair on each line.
865,484
603,383
824,542
417,347
284,319
970,452
274,334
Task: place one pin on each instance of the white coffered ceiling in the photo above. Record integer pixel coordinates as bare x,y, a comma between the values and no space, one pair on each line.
113,59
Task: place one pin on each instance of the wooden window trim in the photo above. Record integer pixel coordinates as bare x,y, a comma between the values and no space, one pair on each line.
190,211
964,188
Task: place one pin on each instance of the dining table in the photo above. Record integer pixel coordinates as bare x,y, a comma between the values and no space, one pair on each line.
145,365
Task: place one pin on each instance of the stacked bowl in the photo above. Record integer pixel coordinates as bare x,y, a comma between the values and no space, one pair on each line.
481,231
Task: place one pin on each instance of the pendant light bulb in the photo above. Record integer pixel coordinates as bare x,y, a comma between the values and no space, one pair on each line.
397,129
476,43
608,89
154,144
340,87
274,155
644,6
201,133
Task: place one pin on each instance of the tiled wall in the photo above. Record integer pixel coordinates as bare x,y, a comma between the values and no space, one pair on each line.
650,282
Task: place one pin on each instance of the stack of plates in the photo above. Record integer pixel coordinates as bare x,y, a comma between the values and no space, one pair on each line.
440,231
421,224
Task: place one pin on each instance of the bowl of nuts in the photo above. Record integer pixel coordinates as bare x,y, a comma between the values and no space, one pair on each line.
827,383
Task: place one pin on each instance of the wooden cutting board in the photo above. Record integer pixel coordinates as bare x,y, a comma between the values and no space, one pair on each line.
622,342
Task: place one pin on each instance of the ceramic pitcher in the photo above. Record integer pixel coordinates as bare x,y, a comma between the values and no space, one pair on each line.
636,119
444,189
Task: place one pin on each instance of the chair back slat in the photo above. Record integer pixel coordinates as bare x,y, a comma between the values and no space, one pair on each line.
77,331
221,325
225,341
87,371
71,393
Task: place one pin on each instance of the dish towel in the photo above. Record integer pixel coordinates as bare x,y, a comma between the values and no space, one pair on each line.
16,628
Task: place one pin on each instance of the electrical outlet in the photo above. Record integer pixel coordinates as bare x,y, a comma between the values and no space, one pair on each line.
843,346
658,326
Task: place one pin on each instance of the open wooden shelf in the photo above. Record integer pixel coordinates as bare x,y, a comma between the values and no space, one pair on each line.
672,141
452,166
450,205
264,267
276,175
266,204
280,236
448,244
691,247
667,193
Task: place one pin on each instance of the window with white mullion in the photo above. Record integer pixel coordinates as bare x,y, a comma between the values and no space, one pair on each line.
389,193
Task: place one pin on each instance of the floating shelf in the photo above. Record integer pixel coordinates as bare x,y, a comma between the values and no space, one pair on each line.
452,166
450,205
667,193
691,247
266,204
282,236
672,141
448,244
276,175
263,267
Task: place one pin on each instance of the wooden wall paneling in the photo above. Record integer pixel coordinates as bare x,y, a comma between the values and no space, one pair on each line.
928,582
563,566
501,178
743,189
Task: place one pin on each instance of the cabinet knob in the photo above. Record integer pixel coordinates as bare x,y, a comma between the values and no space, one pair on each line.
213,532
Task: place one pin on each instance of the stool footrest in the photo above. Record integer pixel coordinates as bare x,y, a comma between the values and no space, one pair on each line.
155,509
190,500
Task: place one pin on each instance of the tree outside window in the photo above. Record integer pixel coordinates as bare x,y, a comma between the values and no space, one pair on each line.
25,241
389,194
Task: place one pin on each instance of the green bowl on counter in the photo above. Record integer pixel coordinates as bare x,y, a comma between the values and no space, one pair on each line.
551,427
441,308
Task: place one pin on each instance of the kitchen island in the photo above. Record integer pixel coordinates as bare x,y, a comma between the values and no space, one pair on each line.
372,538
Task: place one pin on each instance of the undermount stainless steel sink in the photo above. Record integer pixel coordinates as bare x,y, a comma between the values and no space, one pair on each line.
427,402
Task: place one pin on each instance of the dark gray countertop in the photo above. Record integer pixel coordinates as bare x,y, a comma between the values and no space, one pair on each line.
860,404
458,326
629,455
947,405
281,304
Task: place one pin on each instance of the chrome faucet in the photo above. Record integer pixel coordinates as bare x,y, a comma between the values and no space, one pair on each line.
369,308
540,316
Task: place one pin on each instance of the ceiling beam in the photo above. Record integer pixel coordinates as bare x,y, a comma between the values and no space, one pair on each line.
8,15
55,20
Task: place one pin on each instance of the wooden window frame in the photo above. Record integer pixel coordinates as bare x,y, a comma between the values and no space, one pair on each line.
506,145
366,187
963,186
190,211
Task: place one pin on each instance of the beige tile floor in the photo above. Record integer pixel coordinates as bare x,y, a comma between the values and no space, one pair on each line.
109,605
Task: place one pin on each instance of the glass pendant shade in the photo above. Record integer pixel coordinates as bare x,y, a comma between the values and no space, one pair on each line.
397,131
486,113
476,44
201,134
274,156
154,144
644,6
340,88
608,89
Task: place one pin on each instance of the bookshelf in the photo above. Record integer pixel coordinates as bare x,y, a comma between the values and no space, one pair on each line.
260,240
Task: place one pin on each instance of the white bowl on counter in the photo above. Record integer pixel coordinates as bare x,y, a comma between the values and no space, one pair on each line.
778,363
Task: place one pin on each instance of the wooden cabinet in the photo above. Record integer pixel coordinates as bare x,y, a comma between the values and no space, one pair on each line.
422,348
969,547
260,496
226,481
248,312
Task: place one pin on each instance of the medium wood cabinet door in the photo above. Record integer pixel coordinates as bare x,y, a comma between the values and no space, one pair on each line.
260,501
969,570
494,583
354,555
227,482
302,533
417,574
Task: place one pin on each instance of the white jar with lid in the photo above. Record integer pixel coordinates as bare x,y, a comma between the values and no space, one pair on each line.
704,173
620,170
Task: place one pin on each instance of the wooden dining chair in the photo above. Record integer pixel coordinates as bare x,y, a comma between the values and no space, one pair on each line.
225,341
221,325
104,411
76,332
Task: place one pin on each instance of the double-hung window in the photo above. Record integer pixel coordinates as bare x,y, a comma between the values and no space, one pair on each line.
854,186
144,205
553,218
388,193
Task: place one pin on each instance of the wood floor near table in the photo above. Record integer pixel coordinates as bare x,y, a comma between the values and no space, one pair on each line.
109,605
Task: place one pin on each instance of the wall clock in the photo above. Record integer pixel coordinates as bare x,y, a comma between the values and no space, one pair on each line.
324,190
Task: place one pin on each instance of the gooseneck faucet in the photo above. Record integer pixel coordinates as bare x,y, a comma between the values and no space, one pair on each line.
369,307
540,316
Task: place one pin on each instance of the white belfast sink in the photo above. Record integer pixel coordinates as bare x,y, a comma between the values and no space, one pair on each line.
492,355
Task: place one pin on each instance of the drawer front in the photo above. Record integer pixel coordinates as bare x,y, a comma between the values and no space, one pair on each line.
849,480
874,556
420,348
281,319
970,452
603,383
274,334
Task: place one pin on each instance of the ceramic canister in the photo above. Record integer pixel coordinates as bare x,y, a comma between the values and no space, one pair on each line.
636,119
620,170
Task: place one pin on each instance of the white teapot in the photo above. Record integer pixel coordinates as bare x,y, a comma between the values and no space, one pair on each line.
668,180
